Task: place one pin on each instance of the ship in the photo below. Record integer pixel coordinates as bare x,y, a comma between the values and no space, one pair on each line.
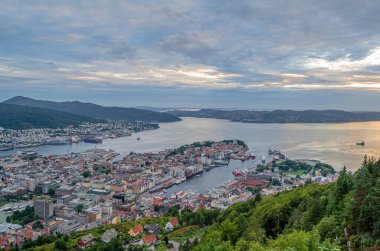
74,139
263,159
167,184
28,154
240,157
180,180
92,139
221,162
236,172
362,143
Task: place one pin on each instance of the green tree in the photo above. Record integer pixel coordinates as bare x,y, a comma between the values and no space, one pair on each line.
37,225
328,228
166,240
51,192
86,174
60,245
79,208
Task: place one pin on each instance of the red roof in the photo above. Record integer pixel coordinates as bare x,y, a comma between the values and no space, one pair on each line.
253,183
149,239
174,221
137,229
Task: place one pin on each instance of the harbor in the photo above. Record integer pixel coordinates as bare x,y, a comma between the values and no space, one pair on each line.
332,143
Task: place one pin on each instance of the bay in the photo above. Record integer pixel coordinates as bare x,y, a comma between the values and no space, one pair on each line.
332,143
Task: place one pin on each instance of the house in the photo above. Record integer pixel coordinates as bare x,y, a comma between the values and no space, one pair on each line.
136,230
152,228
67,227
148,240
172,224
86,241
109,235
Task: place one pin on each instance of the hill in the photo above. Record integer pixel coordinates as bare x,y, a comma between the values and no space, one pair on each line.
24,117
344,215
282,116
96,111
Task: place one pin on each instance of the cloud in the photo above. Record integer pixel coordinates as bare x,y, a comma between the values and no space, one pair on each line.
347,64
245,46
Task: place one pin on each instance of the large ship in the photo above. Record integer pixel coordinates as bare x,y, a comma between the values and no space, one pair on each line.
74,139
93,139
180,180
167,184
241,157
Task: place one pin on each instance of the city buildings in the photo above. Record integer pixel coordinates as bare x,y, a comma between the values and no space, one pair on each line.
43,209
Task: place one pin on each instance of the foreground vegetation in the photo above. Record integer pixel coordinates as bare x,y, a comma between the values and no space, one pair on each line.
329,217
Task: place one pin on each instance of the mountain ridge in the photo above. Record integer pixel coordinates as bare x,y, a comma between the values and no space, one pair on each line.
95,111
282,116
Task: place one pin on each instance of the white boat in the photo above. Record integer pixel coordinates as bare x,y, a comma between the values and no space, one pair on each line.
263,158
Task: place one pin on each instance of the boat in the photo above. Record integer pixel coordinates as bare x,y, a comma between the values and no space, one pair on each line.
92,139
263,159
180,180
28,154
113,136
236,172
74,139
362,143
139,138
253,155
167,184
241,157
218,162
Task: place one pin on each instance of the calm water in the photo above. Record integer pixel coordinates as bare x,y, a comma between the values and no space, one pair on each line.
331,143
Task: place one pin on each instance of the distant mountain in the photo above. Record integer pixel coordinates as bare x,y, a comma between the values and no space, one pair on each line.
282,116
96,111
24,117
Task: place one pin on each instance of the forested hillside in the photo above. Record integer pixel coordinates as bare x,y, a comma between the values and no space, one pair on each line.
24,117
314,217
96,111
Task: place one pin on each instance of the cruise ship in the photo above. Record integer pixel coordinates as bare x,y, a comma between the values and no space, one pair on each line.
93,139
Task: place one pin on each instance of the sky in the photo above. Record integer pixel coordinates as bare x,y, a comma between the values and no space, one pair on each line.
272,54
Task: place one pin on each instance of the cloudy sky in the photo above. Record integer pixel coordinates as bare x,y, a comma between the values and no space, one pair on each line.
269,54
